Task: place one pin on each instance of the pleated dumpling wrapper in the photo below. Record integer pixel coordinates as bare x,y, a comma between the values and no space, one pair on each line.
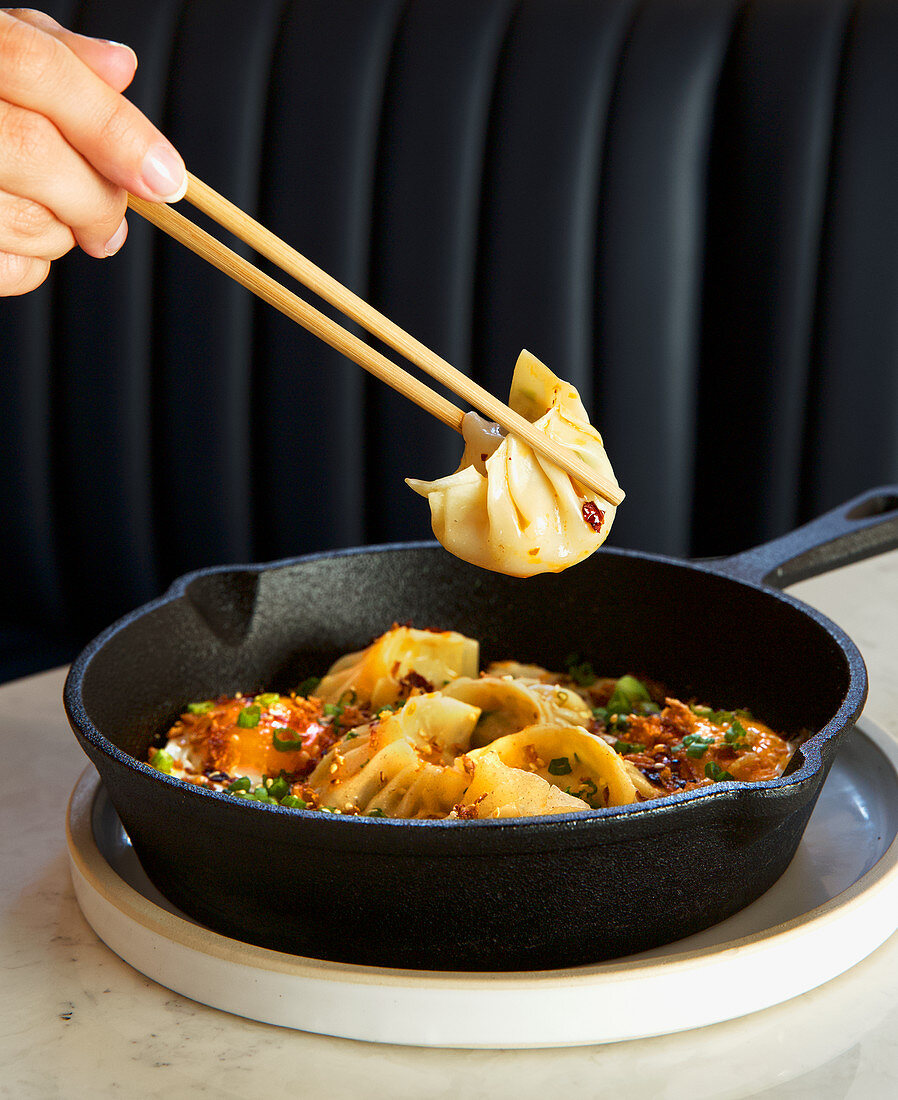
400,765
507,705
377,675
510,510
497,790
571,759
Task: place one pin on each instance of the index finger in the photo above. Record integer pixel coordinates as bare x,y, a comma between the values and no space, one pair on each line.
38,72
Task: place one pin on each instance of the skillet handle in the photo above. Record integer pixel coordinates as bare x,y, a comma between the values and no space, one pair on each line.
860,528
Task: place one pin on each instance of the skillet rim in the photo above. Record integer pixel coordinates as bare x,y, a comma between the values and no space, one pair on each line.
730,790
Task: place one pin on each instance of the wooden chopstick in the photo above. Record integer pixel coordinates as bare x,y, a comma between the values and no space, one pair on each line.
263,241
271,291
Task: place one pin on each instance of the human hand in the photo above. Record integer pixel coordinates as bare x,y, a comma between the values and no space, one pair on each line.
71,146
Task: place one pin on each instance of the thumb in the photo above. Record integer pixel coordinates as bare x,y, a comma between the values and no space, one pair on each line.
113,62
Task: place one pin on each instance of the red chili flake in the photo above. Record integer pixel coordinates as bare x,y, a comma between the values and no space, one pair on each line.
594,516
411,681
484,457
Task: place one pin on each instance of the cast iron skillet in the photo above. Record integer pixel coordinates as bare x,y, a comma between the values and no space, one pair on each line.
481,895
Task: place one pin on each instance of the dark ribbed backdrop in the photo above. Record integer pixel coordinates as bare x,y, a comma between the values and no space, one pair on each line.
689,208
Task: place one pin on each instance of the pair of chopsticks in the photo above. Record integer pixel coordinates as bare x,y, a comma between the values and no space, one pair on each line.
263,241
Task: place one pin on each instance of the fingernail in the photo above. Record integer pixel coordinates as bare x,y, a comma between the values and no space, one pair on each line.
163,172
120,46
117,239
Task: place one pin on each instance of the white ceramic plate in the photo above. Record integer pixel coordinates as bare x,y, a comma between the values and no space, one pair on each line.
837,902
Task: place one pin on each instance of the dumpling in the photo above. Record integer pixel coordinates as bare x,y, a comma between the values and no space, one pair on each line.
559,706
401,765
570,758
509,509
508,704
496,790
396,663
522,672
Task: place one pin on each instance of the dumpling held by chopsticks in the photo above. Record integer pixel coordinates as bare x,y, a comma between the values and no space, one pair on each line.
508,509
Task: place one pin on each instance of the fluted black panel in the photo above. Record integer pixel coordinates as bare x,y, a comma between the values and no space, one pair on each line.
28,559
651,257
768,185
31,589
536,284
854,439
687,207
215,114
317,192
105,408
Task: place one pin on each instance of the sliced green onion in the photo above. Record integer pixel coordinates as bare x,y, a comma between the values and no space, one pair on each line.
293,802
161,760
626,747
560,766
714,771
244,783
285,744
697,744
200,708
736,735
628,691
376,812
351,736
278,788
601,713
308,685
248,718
718,717
581,672
266,698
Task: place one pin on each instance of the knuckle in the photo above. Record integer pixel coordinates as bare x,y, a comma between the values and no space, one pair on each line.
118,126
29,220
20,274
27,54
32,15
24,13
27,137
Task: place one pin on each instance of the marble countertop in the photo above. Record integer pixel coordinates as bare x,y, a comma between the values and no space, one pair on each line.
76,1021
